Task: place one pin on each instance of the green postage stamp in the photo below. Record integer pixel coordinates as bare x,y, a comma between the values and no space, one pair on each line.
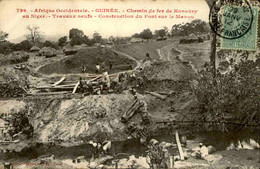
240,20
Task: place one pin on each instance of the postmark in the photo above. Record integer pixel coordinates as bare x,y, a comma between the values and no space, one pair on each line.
231,19
247,41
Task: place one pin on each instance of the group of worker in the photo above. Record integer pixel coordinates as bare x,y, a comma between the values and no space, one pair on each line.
158,155
101,148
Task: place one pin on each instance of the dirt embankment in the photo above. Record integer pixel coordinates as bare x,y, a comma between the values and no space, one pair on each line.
89,58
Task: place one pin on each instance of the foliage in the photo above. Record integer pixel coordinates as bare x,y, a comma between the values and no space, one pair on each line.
161,32
62,41
3,36
196,26
6,47
34,36
146,34
21,124
24,45
232,95
136,35
50,44
97,37
75,33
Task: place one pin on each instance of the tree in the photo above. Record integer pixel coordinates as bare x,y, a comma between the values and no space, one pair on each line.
85,40
62,41
24,45
6,47
136,35
3,36
50,44
34,35
161,32
146,34
97,37
75,33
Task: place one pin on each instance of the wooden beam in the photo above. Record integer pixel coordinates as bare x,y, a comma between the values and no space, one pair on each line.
60,81
95,78
75,88
157,95
179,145
47,93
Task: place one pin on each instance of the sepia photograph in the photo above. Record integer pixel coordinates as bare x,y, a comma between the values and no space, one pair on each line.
122,84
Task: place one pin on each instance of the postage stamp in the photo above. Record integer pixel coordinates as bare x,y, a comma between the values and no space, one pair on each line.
246,42
236,23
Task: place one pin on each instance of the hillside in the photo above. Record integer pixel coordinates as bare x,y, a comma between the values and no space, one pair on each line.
139,50
89,58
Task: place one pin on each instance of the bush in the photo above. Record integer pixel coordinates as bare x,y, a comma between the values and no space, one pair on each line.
50,44
234,95
24,45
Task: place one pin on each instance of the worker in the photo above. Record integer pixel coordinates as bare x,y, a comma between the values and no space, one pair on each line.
97,68
106,146
106,79
143,108
90,87
81,85
97,148
83,69
103,67
147,57
110,65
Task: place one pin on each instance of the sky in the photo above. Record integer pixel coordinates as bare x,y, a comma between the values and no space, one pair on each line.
12,22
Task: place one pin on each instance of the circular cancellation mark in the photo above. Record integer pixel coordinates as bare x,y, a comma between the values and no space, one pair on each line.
231,19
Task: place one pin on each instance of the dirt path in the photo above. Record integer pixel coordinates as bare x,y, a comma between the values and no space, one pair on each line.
166,54
129,57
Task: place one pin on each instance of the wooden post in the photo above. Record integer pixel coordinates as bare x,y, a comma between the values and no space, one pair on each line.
179,145
60,81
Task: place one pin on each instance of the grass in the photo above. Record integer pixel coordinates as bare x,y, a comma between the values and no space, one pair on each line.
139,50
89,58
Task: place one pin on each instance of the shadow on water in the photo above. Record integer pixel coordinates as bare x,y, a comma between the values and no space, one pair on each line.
131,147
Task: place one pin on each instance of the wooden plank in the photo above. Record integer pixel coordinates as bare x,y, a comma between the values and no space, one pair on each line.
75,88
179,145
57,87
95,78
157,95
60,81
47,93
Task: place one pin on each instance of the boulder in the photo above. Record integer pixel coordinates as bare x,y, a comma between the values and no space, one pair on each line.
211,149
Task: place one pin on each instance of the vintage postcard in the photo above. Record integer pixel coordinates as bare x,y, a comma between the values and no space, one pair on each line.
129,84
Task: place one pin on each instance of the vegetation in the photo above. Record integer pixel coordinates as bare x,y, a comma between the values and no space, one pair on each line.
50,44
196,26
34,36
146,34
3,36
234,95
161,33
62,41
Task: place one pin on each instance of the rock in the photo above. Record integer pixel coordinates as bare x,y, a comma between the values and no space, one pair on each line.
211,149
213,158
254,144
